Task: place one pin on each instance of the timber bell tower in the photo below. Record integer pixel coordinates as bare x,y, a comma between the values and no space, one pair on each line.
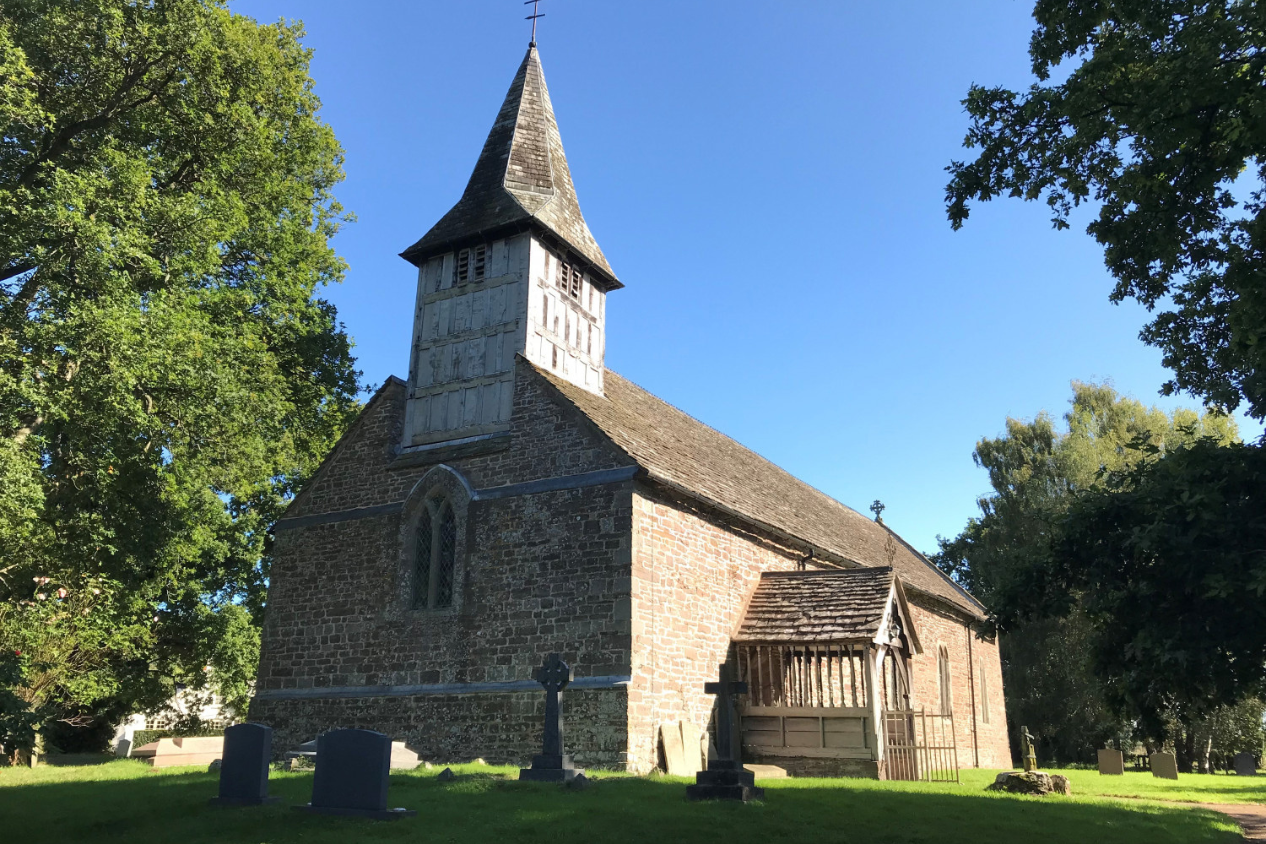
511,269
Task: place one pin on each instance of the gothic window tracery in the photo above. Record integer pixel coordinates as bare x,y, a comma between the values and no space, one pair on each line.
435,555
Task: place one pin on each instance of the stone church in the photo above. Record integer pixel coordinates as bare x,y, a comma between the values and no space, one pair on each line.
513,498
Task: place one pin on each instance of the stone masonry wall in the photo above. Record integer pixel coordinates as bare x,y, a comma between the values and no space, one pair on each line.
692,578
691,582
536,572
971,656
498,728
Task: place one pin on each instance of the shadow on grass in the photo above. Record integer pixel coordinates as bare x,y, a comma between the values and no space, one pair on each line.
488,805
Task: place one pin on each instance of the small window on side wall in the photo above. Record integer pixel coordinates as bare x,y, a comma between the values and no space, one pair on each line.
435,556
943,680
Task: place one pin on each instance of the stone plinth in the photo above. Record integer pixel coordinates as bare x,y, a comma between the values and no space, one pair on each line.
725,780
1031,782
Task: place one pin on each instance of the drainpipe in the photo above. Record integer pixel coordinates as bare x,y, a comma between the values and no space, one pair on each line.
971,682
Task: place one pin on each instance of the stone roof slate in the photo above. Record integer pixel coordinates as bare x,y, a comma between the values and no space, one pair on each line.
521,179
681,452
817,606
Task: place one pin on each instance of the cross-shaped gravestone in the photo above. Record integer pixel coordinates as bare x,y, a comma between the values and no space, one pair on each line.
725,688
552,765
725,778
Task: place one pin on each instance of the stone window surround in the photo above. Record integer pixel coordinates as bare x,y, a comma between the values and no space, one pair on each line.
440,482
944,680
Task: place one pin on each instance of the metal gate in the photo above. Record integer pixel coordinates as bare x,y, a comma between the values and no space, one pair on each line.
919,745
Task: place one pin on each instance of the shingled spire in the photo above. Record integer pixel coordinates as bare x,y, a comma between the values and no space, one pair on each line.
521,181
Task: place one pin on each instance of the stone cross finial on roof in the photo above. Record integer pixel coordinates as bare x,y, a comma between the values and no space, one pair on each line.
536,13
877,507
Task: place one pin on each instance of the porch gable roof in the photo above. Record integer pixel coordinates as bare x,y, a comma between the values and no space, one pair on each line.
823,606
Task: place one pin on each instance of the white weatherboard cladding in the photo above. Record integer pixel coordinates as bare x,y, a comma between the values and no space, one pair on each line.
465,337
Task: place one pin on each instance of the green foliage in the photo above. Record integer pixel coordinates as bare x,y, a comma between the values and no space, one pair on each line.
168,373
17,719
1162,123
1168,561
1036,472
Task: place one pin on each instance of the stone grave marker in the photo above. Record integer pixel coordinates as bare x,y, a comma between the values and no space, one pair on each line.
674,753
691,748
552,764
244,766
1111,762
351,776
1245,765
725,778
1164,765
182,750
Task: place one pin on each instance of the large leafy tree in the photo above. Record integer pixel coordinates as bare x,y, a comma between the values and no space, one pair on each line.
1161,122
1168,561
168,371
1036,473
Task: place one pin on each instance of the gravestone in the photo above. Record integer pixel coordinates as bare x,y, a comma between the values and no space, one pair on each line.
244,766
1164,765
351,776
725,778
1245,765
691,749
1111,762
674,753
552,764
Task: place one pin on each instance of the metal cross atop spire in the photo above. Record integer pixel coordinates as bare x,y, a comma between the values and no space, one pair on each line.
536,13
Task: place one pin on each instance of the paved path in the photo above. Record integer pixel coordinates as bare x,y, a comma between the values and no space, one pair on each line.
1250,816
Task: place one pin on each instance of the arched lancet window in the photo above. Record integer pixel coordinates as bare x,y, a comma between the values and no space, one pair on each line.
943,676
435,556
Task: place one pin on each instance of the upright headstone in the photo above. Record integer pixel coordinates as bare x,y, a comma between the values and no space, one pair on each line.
1164,765
1245,765
691,749
552,764
244,765
351,776
725,778
1112,762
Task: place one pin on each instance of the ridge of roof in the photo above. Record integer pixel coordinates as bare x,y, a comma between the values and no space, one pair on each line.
521,179
678,450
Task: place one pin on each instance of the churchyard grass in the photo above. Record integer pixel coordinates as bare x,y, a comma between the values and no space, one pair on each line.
1188,788
125,801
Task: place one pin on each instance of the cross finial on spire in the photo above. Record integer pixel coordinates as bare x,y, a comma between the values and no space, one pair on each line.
536,13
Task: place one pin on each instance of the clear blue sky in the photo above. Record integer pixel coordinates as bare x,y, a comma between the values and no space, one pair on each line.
767,180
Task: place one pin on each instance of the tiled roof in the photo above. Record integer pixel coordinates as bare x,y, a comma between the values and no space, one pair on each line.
681,452
817,606
521,178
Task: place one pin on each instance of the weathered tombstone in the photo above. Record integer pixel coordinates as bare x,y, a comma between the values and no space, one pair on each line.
1164,765
552,764
691,749
725,778
674,753
1111,762
351,776
244,766
1245,765
1030,754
